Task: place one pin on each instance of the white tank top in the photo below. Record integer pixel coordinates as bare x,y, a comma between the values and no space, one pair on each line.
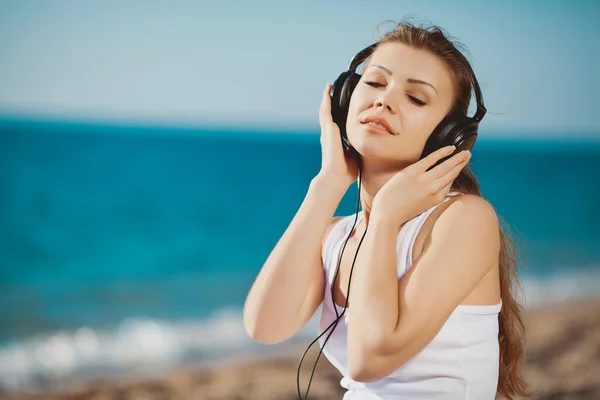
462,360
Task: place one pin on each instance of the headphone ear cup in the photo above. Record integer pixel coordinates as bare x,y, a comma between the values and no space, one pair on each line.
437,138
336,94
459,132
465,136
348,89
342,88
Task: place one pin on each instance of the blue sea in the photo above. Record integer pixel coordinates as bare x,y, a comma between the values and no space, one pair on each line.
130,249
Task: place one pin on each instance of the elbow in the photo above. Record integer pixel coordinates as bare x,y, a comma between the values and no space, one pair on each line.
255,333
364,366
364,374
371,360
252,333
251,325
263,338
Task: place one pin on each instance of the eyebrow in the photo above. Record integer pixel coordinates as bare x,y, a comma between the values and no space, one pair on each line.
409,80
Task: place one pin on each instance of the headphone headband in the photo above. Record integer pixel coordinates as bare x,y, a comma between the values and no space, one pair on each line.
367,51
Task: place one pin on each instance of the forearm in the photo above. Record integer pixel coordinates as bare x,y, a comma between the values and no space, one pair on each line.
281,286
373,315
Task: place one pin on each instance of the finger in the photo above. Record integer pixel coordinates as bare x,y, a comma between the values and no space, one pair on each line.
446,189
422,165
447,165
450,175
325,109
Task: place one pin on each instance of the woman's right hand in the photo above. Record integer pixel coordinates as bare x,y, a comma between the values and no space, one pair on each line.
337,163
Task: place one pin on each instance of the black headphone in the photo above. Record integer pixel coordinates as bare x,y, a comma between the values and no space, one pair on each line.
457,130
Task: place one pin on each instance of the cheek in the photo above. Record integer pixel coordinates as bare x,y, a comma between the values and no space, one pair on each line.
354,111
421,122
354,105
415,132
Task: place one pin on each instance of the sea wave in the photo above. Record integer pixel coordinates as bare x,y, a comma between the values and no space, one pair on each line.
139,346
136,347
566,284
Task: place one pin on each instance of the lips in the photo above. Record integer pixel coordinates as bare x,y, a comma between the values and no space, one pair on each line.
380,121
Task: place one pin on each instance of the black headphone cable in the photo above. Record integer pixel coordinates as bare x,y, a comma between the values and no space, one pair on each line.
338,317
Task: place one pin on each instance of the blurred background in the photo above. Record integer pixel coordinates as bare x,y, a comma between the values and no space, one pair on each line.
152,153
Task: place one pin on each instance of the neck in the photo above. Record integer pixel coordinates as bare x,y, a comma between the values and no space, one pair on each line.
371,181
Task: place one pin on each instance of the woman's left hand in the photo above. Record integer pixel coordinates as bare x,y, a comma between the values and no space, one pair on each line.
414,189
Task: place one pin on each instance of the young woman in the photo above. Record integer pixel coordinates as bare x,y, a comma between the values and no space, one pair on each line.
427,267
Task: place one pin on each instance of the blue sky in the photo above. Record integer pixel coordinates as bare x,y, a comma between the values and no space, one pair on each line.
265,63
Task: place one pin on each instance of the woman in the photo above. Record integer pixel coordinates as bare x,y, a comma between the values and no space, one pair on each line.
427,266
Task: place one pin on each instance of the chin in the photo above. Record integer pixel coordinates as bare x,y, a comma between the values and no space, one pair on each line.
396,157
369,148
367,142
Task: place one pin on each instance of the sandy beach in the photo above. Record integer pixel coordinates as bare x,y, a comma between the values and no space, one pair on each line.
562,362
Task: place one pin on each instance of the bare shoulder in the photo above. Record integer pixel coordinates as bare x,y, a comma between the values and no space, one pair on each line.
465,214
470,204
466,209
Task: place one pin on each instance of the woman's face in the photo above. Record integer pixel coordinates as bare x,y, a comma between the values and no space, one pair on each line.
392,88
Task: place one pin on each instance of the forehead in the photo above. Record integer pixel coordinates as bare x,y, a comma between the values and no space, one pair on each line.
407,62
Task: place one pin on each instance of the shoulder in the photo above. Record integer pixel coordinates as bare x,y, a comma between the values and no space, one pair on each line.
466,217
468,214
469,207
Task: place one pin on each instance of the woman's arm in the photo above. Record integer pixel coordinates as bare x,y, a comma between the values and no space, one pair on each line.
290,285
391,320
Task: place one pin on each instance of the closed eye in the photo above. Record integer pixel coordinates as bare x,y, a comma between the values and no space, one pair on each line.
416,101
413,99
374,84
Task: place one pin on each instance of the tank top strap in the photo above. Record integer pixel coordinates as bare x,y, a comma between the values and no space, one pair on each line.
411,230
404,242
420,219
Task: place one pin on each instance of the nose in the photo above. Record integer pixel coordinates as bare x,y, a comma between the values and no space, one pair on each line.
384,101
